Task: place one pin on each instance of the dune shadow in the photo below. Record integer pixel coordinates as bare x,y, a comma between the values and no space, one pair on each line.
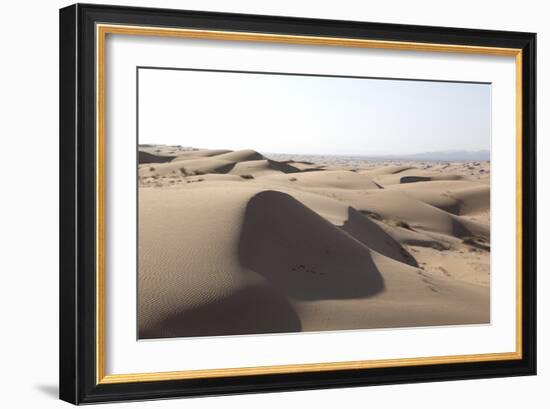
459,229
414,179
454,207
467,228
252,310
302,254
224,168
318,169
376,238
403,169
146,157
282,166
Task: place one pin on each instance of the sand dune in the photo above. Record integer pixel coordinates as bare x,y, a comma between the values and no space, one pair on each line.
240,243
200,153
459,198
303,255
241,156
385,170
262,167
327,179
414,176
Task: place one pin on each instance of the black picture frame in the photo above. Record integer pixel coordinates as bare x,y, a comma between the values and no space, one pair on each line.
78,359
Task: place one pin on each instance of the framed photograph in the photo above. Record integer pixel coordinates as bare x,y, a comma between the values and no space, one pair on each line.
258,203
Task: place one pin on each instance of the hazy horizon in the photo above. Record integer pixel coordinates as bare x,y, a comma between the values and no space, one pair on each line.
144,144
311,115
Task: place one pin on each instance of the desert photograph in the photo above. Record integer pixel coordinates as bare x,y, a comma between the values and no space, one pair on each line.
279,203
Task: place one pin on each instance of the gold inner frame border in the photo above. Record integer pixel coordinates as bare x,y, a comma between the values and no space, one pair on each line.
101,33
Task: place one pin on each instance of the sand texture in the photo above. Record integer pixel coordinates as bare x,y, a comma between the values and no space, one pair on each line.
236,242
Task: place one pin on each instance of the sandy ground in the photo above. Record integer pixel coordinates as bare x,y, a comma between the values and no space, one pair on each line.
242,243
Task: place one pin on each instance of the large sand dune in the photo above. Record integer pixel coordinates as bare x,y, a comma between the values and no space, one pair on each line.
240,243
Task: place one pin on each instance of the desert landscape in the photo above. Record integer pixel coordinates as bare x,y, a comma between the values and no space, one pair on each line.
242,242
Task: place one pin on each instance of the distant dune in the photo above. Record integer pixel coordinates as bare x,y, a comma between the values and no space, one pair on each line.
233,242
448,156
436,156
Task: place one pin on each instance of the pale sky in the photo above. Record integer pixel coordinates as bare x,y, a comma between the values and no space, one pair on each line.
311,115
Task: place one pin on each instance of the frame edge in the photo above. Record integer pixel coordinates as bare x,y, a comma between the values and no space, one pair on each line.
529,197
72,333
68,379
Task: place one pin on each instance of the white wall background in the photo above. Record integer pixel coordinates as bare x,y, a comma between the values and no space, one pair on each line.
29,202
